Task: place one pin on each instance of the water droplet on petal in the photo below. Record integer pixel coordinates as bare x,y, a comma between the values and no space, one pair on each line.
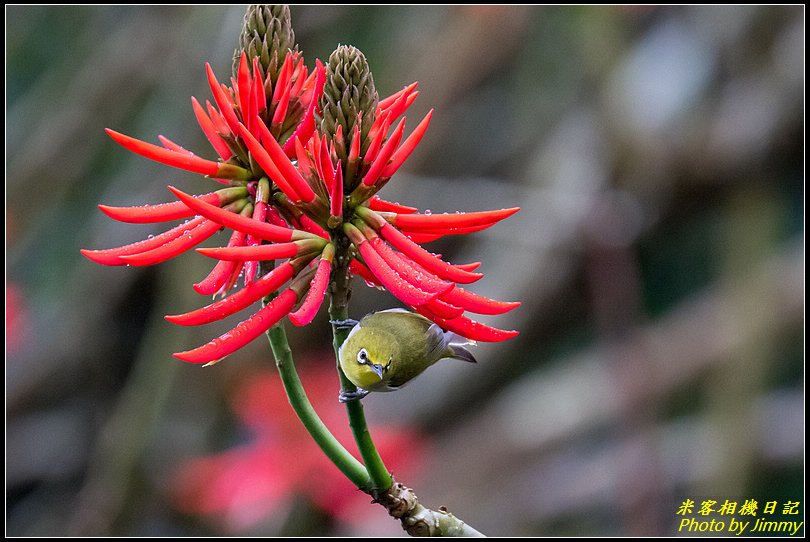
428,211
150,236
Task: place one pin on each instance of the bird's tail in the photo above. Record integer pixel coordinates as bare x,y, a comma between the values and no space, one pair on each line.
458,344
459,352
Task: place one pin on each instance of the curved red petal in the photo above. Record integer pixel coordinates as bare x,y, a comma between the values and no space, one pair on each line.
162,212
169,157
217,280
427,260
317,290
112,256
242,334
262,230
252,252
237,301
477,303
442,221
470,329
175,247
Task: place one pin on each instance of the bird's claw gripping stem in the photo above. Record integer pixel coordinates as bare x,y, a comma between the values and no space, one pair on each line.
344,324
346,396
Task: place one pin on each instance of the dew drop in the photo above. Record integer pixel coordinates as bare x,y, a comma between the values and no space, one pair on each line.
428,212
150,236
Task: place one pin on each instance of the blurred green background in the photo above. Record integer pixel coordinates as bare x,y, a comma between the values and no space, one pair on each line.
658,157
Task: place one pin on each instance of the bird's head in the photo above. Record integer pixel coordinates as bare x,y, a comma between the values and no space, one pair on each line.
367,355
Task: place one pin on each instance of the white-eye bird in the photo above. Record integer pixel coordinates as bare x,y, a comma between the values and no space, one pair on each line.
386,349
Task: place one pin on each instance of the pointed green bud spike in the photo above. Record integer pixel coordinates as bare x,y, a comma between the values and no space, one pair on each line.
267,33
349,92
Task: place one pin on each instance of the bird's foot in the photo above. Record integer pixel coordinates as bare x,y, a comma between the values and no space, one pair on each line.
346,396
344,324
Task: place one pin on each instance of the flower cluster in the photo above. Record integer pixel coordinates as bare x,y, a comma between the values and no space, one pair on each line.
303,156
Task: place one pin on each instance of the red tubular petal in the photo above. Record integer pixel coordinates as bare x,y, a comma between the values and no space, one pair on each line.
210,131
381,160
243,333
441,221
388,277
307,125
354,151
336,194
259,214
237,301
255,252
262,230
281,108
299,78
284,165
472,266
338,138
376,135
172,146
385,103
222,100
328,174
165,156
112,256
409,270
274,218
421,237
377,204
427,260
216,119
434,233
218,278
163,212
309,308
313,227
258,100
304,163
266,163
402,104
243,85
391,280
315,151
470,329
441,309
362,271
477,303
283,81
175,247
402,153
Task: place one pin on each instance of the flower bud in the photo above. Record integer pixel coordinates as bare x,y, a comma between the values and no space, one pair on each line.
349,95
267,33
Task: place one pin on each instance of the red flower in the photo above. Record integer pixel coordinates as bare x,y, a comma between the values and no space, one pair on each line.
243,485
297,194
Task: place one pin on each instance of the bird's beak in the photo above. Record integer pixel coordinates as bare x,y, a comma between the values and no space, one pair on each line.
378,369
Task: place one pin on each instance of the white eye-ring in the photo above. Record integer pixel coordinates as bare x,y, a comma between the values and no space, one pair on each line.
362,356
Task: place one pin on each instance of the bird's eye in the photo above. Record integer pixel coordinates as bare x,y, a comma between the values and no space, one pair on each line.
362,356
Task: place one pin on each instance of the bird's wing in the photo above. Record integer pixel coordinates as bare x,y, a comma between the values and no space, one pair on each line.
437,342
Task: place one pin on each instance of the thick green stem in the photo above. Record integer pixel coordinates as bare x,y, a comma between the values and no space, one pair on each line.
334,450
339,311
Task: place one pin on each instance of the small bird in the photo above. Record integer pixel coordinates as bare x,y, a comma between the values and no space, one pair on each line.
386,349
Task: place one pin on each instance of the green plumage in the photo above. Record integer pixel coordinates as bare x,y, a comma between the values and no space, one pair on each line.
387,349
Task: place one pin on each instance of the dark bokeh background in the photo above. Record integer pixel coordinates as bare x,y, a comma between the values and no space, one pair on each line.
657,155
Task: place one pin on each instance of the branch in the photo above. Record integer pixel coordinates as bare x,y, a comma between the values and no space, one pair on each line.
417,520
